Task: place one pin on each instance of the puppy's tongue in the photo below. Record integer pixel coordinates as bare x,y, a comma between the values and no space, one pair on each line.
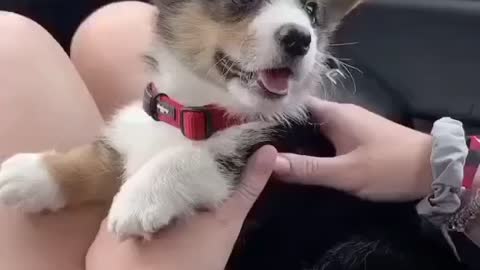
275,80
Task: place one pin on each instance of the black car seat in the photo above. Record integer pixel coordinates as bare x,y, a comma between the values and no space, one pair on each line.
418,57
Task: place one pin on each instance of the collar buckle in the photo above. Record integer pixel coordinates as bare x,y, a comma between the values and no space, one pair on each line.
153,105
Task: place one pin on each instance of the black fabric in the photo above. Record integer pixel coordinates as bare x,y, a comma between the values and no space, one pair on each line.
468,251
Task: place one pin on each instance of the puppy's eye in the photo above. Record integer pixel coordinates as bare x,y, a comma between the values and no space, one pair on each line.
311,8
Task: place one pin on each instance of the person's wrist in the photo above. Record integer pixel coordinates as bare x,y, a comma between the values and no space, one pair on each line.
424,175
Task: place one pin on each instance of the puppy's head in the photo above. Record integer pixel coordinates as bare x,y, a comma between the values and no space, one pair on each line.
266,54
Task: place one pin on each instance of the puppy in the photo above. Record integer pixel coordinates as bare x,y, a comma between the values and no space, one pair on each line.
256,60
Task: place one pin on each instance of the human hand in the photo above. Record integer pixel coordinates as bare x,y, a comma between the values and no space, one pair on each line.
204,242
376,159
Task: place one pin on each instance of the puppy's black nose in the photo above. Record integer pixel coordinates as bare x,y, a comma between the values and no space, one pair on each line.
294,39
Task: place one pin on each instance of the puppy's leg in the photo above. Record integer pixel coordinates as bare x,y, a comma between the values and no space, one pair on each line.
51,181
171,184
182,179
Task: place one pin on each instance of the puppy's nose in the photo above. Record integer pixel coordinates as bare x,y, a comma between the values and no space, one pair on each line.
294,39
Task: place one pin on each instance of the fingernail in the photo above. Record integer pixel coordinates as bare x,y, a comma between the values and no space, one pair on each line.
282,165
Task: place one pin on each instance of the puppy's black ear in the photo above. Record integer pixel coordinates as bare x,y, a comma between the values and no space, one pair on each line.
337,9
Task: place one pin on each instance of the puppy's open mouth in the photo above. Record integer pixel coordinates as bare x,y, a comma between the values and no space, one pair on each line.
273,81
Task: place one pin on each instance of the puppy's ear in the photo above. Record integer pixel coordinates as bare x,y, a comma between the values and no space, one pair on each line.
337,9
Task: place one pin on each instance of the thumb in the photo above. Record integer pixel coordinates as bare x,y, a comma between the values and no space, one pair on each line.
255,176
300,169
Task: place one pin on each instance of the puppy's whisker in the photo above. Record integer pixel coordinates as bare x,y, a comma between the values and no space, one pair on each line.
339,60
343,44
232,64
351,76
242,43
215,65
324,89
345,67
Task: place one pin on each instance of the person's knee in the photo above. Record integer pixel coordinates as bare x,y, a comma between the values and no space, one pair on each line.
13,25
22,39
110,28
118,34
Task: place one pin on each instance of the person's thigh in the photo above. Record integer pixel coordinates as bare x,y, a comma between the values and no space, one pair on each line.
108,50
43,105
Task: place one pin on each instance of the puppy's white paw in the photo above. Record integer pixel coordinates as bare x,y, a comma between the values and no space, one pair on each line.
26,184
171,185
135,214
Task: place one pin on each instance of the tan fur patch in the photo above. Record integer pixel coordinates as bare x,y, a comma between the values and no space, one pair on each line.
86,174
197,35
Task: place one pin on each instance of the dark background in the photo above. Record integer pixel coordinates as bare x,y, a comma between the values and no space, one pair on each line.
418,58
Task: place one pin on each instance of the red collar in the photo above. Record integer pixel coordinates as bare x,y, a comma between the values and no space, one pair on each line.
196,123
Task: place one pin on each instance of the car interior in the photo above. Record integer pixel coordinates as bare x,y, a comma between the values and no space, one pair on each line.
412,61
416,59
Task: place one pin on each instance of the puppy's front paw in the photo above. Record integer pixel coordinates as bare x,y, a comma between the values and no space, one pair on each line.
171,185
136,214
26,184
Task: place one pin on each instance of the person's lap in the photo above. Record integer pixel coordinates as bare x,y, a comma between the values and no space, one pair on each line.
46,103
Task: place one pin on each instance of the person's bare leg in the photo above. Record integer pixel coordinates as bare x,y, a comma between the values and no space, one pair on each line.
43,105
108,50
